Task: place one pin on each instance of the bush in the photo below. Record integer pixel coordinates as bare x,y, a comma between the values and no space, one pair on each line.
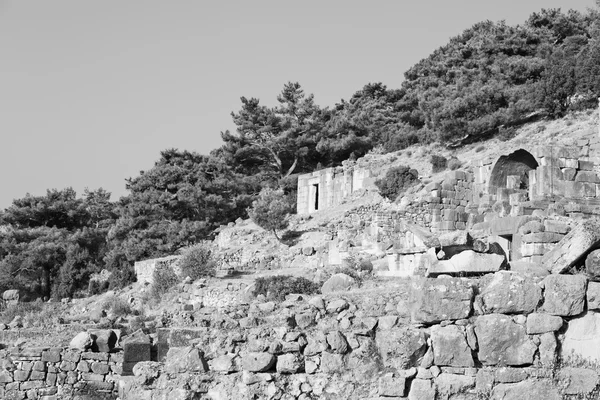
22,309
277,287
270,210
97,287
396,181
454,164
438,163
197,262
164,279
117,306
121,277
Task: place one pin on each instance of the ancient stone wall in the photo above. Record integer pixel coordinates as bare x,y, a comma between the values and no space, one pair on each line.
327,188
57,373
506,335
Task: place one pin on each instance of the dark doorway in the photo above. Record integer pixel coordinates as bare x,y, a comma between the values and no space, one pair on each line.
316,191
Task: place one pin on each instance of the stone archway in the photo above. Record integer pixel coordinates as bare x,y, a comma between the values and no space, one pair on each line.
516,164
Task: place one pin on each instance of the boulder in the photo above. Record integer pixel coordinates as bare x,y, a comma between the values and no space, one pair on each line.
147,371
338,283
526,390
337,342
592,265
468,262
582,338
455,242
435,300
82,341
450,347
258,362
578,381
402,348
564,295
573,246
542,323
185,360
503,342
509,293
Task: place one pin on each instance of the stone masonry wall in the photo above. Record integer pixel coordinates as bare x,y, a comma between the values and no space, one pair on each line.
504,336
56,373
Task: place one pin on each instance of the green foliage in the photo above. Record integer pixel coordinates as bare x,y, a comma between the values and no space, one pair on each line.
277,287
20,309
396,181
164,278
270,210
197,262
438,163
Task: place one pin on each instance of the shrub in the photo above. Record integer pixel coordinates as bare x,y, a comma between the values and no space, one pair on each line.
97,287
270,210
396,181
117,306
22,309
164,279
438,163
454,164
197,262
277,287
121,277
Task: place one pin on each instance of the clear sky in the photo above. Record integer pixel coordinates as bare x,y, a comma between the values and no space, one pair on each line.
92,91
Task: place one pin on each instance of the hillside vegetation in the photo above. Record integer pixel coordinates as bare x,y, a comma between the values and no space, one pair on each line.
481,85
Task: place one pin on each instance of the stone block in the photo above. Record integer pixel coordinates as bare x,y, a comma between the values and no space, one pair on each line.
586,165
450,347
258,362
593,296
332,363
449,385
509,293
185,360
468,262
422,389
526,390
578,381
569,174
289,363
134,352
100,368
574,245
502,342
392,386
435,300
587,176
564,295
582,338
402,348
541,323
21,376
105,340
52,355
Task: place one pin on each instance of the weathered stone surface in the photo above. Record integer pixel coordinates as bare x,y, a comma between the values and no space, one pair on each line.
147,371
337,305
289,363
508,293
468,262
82,341
575,244
436,300
392,386
582,337
185,360
564,294
593,296
304,320
533,226
387,322
331,363
592,265
542,323
337,342
451,384
547,350
526,390
105,340
450,347
338,283
503,342
422,389
580,381
258,362
402,348
510,375
223,363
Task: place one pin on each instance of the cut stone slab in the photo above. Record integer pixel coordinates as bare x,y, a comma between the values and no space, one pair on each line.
526,390
436,300
503,342
542,323
578,381
337,283
582,338
575,245
402,348
468,261
509,293
564,295
450,347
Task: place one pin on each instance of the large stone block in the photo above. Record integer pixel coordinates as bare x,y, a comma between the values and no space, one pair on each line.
564,295
467,262
258,362
578,381
450,347
449,385
435,300
542,323
508,293
576,244
422,389
185,360
582,338
526,390
592,265
503,342
402,348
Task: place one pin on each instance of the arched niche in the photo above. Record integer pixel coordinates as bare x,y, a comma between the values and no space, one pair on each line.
518,164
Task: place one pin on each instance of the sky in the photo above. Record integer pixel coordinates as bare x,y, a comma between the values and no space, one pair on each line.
92,91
